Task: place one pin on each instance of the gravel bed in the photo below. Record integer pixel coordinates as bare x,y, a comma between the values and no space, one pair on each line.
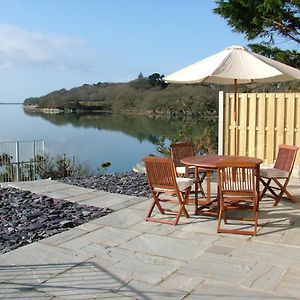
26,217
127,183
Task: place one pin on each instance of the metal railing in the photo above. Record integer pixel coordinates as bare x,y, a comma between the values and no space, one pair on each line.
19,160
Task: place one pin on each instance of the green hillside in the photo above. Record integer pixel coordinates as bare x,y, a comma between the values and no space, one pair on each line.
145,95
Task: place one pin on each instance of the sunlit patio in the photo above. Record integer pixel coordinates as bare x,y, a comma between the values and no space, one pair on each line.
121,256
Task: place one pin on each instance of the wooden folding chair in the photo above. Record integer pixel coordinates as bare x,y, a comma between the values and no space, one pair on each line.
280,174
182,150
162,180
237,192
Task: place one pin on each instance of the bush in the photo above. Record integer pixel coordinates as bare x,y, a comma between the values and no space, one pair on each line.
61,166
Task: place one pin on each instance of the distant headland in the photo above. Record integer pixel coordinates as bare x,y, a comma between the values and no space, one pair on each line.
10,103
149,96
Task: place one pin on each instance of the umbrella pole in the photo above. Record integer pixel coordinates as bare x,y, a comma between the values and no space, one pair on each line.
235,116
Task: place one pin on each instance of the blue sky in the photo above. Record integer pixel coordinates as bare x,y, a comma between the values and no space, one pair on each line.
47,45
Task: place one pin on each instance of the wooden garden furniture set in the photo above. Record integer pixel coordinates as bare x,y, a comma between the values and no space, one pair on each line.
238,185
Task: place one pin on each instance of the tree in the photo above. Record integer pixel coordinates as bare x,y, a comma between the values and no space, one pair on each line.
269,20
157,80
289,57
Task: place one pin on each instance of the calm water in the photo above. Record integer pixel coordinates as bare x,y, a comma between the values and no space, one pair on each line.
92,138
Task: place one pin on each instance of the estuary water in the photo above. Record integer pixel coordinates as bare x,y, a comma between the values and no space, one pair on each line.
93,138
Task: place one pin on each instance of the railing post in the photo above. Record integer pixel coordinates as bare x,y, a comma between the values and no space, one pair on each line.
34,151
34,162
17,161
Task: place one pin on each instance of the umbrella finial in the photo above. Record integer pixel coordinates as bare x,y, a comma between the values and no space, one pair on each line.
236,47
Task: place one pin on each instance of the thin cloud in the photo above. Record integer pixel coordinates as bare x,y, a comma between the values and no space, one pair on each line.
21,47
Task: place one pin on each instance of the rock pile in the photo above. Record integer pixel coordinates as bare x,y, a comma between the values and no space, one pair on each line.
128,183
26,217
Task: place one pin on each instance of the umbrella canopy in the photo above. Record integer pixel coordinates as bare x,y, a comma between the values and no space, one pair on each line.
234,65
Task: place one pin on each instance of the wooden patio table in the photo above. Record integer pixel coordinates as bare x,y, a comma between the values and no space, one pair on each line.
208,164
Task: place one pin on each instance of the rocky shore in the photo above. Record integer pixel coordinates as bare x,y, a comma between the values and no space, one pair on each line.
26,217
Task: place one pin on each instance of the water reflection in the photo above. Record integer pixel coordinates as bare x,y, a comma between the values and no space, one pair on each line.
140,127
95,138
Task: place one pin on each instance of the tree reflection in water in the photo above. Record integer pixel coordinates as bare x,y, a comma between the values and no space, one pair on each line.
141,128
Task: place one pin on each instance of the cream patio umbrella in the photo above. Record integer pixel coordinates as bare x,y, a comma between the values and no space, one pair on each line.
234,65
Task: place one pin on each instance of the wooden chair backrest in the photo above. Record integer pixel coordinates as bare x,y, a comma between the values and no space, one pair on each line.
161,173
286,157
181,150
237,177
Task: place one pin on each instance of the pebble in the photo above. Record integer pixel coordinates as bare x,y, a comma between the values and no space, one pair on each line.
127,183
26,217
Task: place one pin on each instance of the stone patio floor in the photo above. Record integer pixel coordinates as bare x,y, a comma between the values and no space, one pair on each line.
120,256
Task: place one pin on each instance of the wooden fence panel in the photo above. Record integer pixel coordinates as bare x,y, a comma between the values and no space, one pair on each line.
265,120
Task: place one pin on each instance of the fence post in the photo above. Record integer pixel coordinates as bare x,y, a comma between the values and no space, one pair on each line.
221,123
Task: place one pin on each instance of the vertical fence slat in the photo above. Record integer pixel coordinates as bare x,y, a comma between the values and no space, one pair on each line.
227,139
251,151
290,119
231,125
243,117
261,125
297,125
280,120
270,138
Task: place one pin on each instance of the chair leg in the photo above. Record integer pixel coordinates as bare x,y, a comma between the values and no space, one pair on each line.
155,202
221,212
201,190
222,215
284,190
182,200
181,209
266,185
185,199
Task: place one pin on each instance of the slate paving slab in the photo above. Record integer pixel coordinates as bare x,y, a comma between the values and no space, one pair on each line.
123,218
289,283
105,236
83,281
141,290
220,290
182,282
218,267
272,254
165,246
106,256
11,291
263,277
147,268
